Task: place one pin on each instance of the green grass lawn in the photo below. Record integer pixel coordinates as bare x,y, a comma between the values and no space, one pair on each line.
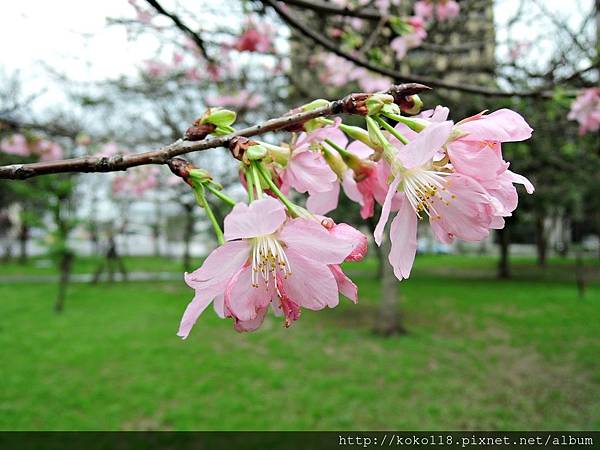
480,354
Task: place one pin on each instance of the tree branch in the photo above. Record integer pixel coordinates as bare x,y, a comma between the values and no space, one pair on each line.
330,8
183,27
396,76
115,163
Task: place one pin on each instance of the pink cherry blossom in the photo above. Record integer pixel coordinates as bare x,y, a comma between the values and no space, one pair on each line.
256,37
15,145
307,170
268,261
48,150
586,110
108,149
135,182
156,69
478,152
444,9
424,9
414,38
457,205
242,100
447,9
372,184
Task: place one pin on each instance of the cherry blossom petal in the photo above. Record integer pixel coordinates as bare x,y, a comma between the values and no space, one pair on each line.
242,299
403,237
312,240
311,284
351,188
309,172
251,324
503,125
324,202
351,235
345,285
385,211
360,149
222,263
201,300
262,217
425,145
520,179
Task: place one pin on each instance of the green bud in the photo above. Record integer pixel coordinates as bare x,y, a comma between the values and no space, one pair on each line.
335,161
418,104
220,117
199,175
315,104
376,102
255,152
390,108
223,130
359,134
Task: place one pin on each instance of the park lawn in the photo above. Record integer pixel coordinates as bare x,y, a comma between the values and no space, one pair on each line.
480,354
44,265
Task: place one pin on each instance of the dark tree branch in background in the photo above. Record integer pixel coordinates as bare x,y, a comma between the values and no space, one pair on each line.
183,27
396,76
115,163
330,8
7,123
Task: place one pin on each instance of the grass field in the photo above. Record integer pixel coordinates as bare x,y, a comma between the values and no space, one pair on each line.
480,354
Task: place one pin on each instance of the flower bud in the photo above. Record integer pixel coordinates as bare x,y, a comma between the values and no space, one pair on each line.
359,134
315,104
199,175
335,161
219,117
255,152
376,102
417,104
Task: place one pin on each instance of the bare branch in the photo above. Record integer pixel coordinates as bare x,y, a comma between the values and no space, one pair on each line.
330,8
396,76
183,27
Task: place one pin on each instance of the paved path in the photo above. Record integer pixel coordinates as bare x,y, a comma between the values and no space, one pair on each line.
87,277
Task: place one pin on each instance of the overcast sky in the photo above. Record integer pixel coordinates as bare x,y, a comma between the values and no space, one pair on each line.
72,37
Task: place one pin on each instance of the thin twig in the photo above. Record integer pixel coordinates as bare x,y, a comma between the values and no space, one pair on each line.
396,76
183,27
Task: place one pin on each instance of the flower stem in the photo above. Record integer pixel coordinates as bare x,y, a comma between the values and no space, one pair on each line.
201,198
249,184
376,134
340,150
259,191
289,205
392,130
412,123
221,195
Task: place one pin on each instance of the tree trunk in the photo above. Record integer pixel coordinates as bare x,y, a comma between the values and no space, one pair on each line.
389,321
504,263
66,261
540,240
23,240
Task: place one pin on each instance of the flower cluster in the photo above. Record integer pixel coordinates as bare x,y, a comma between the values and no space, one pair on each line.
272,261
276,254
586,110
19,145
439,9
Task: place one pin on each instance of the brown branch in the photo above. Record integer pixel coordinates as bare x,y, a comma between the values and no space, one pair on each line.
8,123
329,8
163,155
396,76
183,27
